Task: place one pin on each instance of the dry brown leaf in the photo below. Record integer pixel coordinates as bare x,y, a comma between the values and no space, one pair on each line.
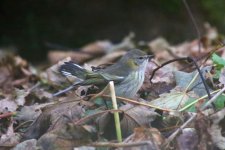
188,139
216,129
54,117
106,59
222,77
97,48
131,118
7,105
202,123
52,75
66,137
162,82
78,57
28,113
26,145
150,135
10,138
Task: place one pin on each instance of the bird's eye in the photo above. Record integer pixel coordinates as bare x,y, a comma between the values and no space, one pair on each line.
141,57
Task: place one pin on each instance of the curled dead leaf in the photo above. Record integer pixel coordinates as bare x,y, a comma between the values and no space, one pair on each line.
78,57
97,48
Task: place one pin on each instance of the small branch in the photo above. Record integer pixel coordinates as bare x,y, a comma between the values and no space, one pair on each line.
213,99
164,64
117,145
87,118
201,76
8,114
189,59
134,102
192,103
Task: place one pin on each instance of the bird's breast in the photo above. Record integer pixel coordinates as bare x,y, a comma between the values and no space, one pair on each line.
131,84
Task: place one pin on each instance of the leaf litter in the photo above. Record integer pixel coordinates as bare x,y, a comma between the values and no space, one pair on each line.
29,113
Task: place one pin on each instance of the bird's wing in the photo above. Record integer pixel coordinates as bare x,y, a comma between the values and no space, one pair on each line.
110,77
100,78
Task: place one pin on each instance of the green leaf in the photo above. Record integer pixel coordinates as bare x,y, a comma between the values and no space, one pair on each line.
91,112
101,102
192,107
220,62
219,103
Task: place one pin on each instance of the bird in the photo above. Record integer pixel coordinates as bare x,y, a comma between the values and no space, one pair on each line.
127,74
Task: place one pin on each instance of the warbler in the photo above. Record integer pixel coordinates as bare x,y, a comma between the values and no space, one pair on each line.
128,74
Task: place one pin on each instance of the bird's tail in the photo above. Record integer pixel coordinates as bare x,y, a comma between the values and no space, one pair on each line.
72,69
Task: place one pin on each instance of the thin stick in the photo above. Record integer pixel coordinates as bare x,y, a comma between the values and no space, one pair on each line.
8,114
201,76
213,99
164,64
134,102
116,114
117,145
192,103
189,59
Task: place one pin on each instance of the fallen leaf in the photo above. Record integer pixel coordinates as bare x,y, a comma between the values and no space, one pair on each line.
222,77
28,113
97,48
52,75
108,58
66,137
183,79
78,57
54,117
173,100
20,96
188,139
131,118
26,145
7,105
216,128
10,138
150,135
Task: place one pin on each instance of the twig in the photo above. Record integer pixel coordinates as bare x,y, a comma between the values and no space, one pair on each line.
22,124
8,114
201,76
87,118
192,103
213,99
135,102
189,59
164,64
117,145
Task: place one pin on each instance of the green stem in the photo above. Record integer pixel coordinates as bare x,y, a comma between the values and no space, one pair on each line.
116,114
